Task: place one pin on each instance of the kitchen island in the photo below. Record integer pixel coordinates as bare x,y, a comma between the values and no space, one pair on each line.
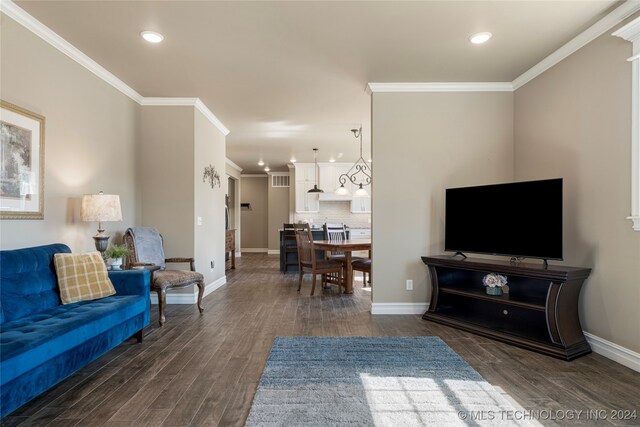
318,234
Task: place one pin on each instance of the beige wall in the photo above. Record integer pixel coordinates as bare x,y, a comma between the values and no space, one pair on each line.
166,174
254,222
90,135
427,142
209,149
574,121
278,213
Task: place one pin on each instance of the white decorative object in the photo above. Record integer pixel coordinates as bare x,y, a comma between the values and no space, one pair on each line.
494,283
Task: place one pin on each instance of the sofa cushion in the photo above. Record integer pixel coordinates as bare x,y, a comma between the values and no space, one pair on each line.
37,338
28,280
82,277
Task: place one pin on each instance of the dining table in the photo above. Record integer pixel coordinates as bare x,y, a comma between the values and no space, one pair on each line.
347,247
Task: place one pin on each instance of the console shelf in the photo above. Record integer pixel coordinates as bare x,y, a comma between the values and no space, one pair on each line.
540,311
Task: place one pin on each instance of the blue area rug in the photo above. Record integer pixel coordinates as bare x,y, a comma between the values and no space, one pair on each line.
367,381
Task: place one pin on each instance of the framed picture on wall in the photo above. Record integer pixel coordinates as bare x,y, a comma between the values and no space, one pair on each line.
21,163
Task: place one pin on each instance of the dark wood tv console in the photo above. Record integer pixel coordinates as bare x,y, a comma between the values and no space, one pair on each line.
540,311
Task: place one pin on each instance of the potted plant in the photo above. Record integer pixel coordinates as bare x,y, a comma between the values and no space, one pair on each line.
494,283
115,255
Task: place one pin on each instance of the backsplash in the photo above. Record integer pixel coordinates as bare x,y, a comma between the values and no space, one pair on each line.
335,212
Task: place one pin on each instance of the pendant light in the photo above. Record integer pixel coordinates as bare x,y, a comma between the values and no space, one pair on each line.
359,174
315,188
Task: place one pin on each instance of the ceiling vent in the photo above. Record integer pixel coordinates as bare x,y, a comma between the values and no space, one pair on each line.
280,180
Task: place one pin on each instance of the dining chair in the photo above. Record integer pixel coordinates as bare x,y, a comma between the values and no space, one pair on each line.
145,245
363,265
289,244
309,262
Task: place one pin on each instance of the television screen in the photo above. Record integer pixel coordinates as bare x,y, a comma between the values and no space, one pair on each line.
522,219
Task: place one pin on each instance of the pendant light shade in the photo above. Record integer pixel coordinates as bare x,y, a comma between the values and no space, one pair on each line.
315,188
361,192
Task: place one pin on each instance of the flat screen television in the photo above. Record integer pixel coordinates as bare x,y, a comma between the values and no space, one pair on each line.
521,219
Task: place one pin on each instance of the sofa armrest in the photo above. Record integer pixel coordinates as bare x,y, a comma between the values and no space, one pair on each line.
131,282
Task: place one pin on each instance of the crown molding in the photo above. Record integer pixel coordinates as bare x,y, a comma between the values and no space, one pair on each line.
19,15
440,87
254,175
278,173
233,165
627,9
630,32
186,102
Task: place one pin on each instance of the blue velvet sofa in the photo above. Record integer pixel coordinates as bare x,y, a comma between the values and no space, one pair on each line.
42,341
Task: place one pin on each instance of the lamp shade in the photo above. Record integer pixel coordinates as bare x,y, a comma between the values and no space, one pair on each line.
361,192
101,207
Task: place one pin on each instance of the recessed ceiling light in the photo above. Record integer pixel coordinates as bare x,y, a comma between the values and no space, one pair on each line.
152,36
267,169
260,163
332,160
480,38
293,160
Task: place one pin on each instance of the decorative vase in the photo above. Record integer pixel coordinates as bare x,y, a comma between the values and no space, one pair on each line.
115,263
496,290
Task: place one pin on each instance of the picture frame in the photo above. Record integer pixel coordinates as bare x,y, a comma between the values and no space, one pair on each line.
21,163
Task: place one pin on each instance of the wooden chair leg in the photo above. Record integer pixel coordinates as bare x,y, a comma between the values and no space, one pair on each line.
200,295
162,303
300,280
313,283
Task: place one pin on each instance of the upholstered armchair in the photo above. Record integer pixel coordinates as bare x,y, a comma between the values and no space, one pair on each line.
146,248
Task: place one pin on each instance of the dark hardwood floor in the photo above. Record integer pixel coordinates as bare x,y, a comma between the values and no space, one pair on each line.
204,370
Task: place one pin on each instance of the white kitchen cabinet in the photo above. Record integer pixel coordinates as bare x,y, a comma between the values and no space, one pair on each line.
305,180
361,205
330,176
360,233
305,201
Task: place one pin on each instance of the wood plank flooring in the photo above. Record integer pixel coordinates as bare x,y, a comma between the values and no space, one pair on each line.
204,370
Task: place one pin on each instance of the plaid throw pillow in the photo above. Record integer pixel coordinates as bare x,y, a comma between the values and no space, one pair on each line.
82,277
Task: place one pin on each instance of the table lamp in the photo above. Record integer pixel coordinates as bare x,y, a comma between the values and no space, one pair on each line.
101,207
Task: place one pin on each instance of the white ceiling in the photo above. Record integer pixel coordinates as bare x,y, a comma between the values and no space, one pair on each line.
286,77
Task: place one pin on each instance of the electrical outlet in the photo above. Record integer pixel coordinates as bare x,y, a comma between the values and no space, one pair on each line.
409,285
199,220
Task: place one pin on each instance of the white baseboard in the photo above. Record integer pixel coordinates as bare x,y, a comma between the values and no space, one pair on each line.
176,298
190,298
238,254
254,250
214,285
399,307
613,351
273,252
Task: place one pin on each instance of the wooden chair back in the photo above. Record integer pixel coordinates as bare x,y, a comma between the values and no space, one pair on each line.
306,252
335,233
289,231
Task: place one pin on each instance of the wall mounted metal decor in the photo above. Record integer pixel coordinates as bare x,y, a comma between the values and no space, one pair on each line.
212,175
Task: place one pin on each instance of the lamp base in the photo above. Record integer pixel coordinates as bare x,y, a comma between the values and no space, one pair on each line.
102,242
